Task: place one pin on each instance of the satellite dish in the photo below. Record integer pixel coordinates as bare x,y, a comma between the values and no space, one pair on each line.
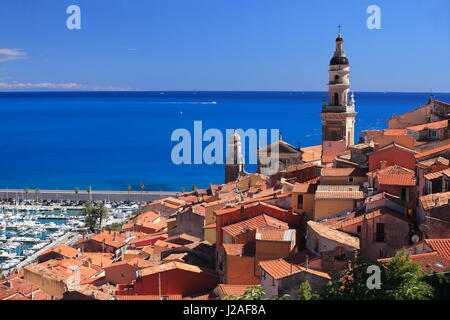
415,238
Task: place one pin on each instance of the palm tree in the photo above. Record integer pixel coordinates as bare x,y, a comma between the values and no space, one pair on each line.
26,190
141,187
37,191
101,213
89,191
129,189
76,190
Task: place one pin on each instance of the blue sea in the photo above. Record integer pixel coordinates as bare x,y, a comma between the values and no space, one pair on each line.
59,140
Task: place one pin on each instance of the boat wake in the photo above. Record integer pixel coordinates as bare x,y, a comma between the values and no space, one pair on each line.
182,102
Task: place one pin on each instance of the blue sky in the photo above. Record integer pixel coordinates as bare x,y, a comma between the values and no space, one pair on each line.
222,45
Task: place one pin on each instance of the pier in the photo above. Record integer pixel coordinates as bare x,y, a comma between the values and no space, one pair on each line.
83,195
67,239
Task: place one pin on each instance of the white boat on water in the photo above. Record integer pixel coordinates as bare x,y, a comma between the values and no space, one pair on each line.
28,252
5,254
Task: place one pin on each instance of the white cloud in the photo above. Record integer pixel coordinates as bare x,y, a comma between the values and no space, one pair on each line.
11,54
15,85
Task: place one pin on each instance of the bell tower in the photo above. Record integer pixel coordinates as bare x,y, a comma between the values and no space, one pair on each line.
338,113
234,165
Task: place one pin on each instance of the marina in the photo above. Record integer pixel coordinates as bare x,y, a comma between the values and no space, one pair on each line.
25,230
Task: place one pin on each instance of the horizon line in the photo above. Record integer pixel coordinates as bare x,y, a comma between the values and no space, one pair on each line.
205,91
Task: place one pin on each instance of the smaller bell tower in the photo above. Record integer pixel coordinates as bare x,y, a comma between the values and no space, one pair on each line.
234,165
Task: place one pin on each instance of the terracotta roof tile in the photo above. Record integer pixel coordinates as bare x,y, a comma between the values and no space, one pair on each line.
280,268
270,234
432,125
432,151
435,200
233,289
438,174
63,250
150,297
429,262
441,246
253,223
170,266
335,235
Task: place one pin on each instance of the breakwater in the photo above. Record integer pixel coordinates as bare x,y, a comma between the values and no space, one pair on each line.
83,195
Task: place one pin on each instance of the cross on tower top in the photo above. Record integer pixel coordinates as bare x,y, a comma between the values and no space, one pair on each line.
339,28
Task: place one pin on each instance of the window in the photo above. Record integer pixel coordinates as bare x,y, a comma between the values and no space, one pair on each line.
336,77
350,179
300,201
380,236
358,229
383,253
165,298
404,194
336,99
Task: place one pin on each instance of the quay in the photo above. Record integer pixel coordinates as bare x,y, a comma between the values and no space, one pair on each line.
83,195
67,239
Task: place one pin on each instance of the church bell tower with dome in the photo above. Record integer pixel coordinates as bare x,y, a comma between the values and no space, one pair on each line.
234,166
338,113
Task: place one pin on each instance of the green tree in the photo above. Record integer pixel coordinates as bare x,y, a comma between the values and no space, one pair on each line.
182,190
129,189
37,191
305,292
193,187
256,293
94,215
76,190
401,279
441,285
141,187
26,190
404,280
117,226
89,191
89,218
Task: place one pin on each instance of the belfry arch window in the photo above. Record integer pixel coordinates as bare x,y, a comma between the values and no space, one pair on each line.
336,77
336,99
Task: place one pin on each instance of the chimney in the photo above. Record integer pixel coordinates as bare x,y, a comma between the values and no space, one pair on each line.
307,262
291,266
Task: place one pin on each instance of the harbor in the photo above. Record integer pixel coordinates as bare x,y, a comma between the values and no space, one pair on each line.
83,195
29,228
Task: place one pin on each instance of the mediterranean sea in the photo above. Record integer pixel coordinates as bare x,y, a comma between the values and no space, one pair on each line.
59,140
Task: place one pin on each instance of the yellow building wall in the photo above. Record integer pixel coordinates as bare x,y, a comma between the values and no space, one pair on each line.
131,254
209,235
209,212
250,181
326,208
53,287
308,204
